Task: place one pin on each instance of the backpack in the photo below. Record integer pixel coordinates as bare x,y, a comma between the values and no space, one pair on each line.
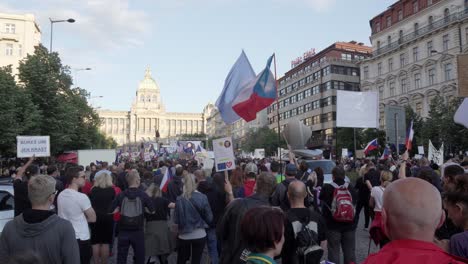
308,250
342,208
131,213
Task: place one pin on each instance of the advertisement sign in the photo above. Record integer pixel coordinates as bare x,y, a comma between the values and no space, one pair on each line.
224,154
27,146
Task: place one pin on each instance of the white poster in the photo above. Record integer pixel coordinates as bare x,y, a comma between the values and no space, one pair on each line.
357,109
421,150
27,146
436,155
147,157
344,152
461,116
224,154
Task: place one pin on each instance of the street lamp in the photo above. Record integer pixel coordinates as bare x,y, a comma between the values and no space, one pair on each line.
70,20
75,79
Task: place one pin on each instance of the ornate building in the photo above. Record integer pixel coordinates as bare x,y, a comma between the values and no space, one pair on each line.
148,115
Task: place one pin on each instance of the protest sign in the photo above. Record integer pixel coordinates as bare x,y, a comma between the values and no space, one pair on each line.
357,109
224,154
344,152
421,150
27,146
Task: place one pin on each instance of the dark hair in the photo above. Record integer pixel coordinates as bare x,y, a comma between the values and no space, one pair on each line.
72,172
237,178
51,169
320,177
275,166
453,170
147,175
128,165
338,173
31,170
262,227
218,180
460,193
426,174
179,171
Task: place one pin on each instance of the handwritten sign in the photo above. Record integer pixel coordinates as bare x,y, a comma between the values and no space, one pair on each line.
27,146
224,154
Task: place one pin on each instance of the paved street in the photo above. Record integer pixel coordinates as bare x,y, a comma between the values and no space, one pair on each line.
362,246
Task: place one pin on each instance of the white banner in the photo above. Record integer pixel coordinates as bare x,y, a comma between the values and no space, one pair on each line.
224,154
436,155
421,150
357,109
344,152
461,116
27,146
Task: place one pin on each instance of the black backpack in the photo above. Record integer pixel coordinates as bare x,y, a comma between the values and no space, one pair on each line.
307,246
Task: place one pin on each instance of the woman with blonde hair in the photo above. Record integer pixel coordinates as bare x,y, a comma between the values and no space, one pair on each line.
101,196
158,238
376,201
192,215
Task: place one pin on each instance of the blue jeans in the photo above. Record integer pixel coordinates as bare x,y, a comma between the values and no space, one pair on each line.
212,245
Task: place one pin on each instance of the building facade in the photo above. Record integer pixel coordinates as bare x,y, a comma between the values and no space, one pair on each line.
19,35
415,45
147,116
308,91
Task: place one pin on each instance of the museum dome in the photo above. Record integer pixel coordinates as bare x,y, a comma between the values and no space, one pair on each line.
148,83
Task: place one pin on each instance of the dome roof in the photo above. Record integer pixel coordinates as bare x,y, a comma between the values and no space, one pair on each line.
148,82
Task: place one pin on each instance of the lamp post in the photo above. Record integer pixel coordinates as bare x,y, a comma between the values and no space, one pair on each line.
70,20
77,70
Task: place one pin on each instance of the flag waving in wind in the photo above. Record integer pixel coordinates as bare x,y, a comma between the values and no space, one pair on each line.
371,146
239,75
409,137
256,95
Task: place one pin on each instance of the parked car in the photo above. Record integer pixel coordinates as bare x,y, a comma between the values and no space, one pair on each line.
7,203
327,167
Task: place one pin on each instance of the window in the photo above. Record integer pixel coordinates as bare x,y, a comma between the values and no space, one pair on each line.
287,114
381,92
445,42
415,7
294,112
302,82
6,201
293,99
431,75
327,101
327,86
377,27
415,54
378,44
446,15
379,68
417,81
9,50
316,119
366,72
316,104
300,96
390,64
326,71
346,56
402,60
430,21
389,21
315,89
400,15
392,88
429,48
416,28
20,50
307,93
400,36
404,84
10,28
448,71
308,107
389,40
300,110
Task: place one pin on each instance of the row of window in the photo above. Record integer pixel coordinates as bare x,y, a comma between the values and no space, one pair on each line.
335,69
313,120
10,49
327,86
417,81
328,101
400,15
416,56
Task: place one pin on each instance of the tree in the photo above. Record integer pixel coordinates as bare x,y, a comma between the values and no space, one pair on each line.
18,115
263,137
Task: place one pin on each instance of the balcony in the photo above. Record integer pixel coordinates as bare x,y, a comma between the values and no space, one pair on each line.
438,24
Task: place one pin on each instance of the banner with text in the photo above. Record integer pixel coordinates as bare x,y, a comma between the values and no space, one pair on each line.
224,154
27,146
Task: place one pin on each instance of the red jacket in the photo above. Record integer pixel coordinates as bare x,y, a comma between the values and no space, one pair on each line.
412,251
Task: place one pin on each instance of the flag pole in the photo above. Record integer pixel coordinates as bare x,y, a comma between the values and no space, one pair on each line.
278,117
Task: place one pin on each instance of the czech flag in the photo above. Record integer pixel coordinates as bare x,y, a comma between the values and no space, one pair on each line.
257,95
409,137
386,153
166,179
371,146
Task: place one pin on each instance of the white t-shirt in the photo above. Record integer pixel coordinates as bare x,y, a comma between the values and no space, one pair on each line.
377,194
71,206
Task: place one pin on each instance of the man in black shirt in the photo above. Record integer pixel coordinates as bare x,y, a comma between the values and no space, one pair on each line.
175,186
297,215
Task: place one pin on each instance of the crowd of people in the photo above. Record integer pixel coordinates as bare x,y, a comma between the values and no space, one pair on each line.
261,212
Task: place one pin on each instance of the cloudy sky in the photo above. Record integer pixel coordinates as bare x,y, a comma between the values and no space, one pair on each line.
190,45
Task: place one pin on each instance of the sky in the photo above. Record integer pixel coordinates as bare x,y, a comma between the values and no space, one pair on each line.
190,45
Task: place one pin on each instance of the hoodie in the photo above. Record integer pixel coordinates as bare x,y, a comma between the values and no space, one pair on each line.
53,238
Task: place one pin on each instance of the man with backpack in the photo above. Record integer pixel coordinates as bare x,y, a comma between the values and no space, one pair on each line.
305,230
339,211
279,196
131,204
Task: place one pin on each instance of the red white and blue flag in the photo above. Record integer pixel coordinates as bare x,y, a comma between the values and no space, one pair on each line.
371,146
409,137
387,153
166,179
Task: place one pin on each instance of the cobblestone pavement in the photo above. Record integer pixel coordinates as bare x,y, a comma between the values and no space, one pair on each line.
362,246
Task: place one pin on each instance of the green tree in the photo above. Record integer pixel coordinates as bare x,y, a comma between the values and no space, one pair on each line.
263,137
18,115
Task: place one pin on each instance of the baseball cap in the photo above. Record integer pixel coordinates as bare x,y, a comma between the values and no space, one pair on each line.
251,168
291,169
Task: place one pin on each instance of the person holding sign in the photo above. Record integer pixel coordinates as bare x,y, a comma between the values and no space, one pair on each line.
20,186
